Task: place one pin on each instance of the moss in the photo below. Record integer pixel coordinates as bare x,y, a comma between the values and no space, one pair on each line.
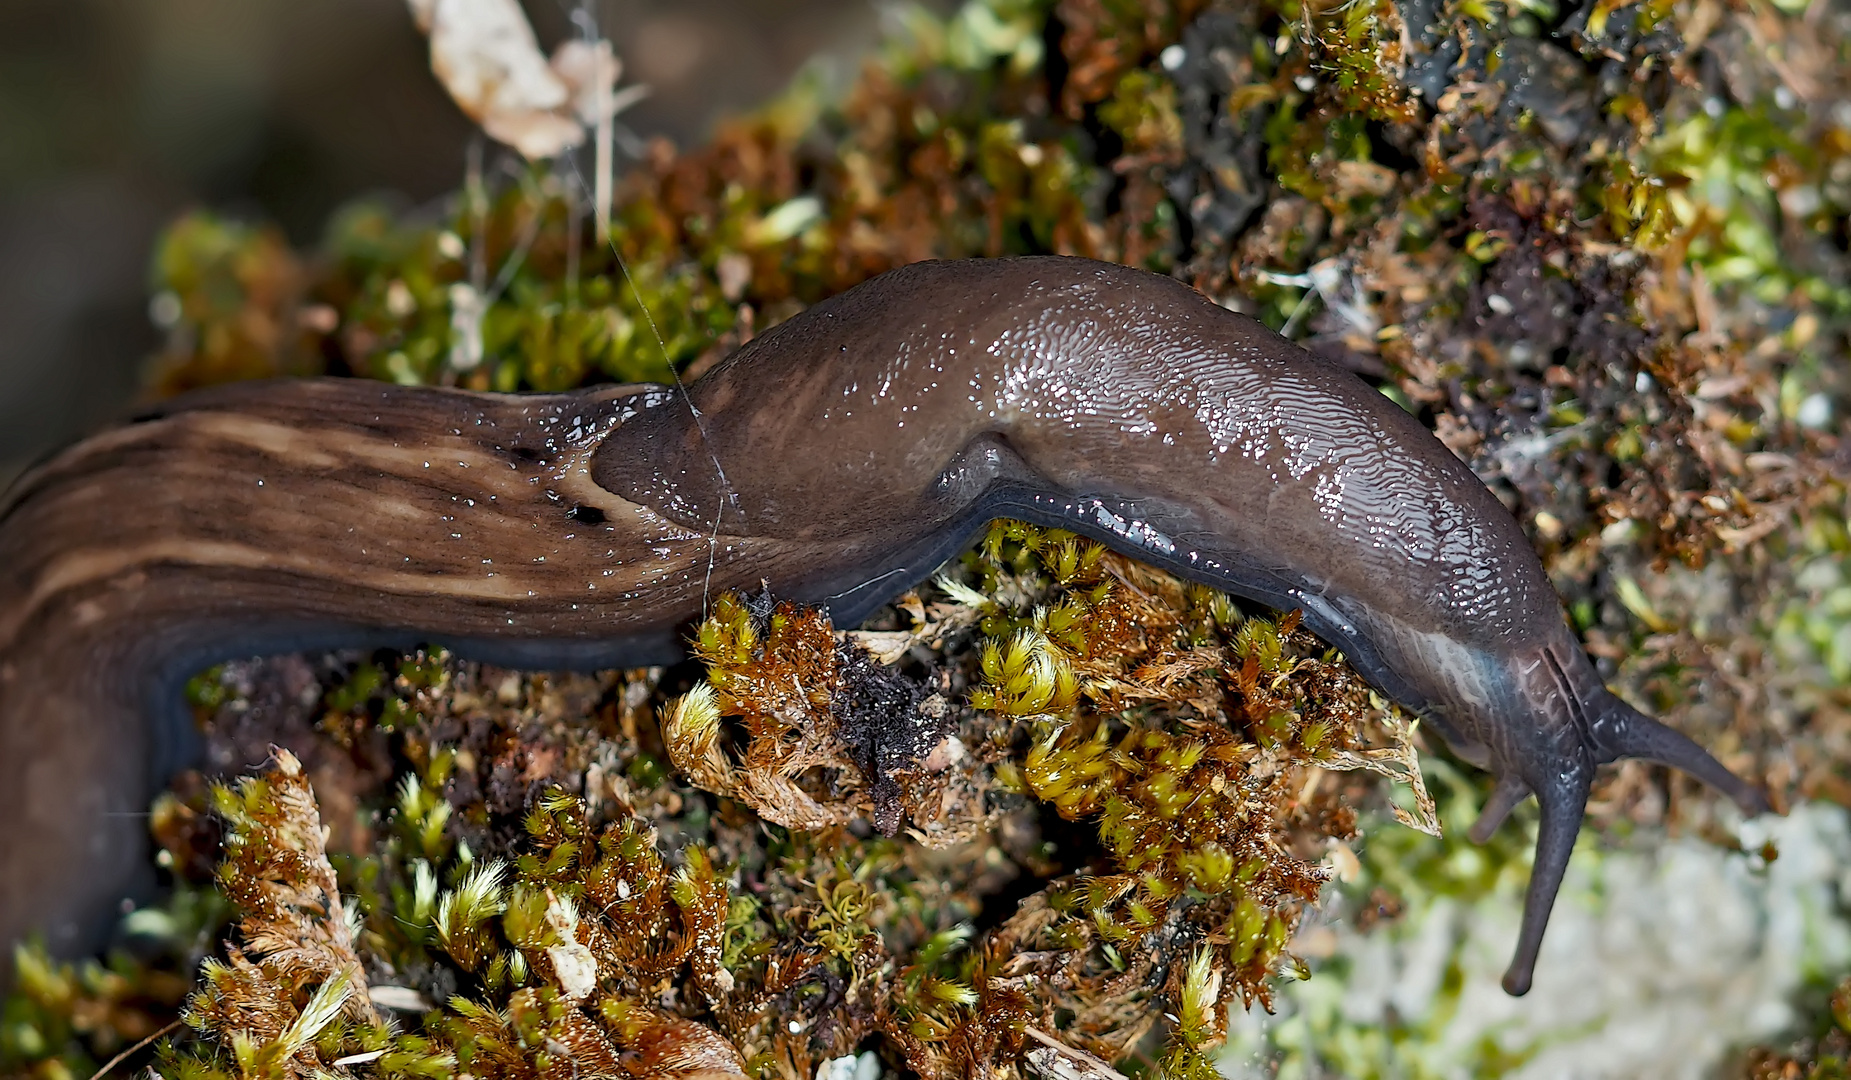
62,1014
226,293
1824,1054
1107,684
1813,629
582,938
1723,187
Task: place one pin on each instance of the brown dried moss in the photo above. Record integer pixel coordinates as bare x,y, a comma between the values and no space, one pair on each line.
660,936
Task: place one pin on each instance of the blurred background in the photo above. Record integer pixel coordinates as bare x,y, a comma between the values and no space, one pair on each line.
116,116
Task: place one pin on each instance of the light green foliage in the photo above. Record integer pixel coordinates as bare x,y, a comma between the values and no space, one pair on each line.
1112,674
1712,175
543,325
1319,1038
976,37
1815,627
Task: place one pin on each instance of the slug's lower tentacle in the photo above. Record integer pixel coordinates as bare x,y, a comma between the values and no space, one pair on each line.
1510,791
841,457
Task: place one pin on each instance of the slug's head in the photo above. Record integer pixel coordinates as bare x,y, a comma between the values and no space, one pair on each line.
1561,725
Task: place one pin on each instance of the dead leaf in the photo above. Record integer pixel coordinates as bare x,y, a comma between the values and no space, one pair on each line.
485,54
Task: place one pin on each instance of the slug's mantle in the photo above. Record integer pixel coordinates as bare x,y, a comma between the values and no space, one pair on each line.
842,457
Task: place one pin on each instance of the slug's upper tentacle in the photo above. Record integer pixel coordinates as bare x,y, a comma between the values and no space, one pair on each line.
1624,732
842,457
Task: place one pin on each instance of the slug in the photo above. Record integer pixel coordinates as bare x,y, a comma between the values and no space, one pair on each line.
842,457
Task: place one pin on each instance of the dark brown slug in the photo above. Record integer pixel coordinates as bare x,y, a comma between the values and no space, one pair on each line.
842,457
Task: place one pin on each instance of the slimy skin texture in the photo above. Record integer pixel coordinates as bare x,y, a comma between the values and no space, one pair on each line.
843,456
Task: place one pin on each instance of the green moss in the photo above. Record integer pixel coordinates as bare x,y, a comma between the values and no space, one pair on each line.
505,291
1714,175
1174,795
1814,628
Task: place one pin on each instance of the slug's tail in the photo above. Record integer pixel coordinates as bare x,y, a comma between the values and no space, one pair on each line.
1623,731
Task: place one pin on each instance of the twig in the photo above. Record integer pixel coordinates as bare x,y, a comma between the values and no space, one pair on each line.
124,1055
1092,1060
601,205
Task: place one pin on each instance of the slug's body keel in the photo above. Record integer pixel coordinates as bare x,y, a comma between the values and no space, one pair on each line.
842,457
